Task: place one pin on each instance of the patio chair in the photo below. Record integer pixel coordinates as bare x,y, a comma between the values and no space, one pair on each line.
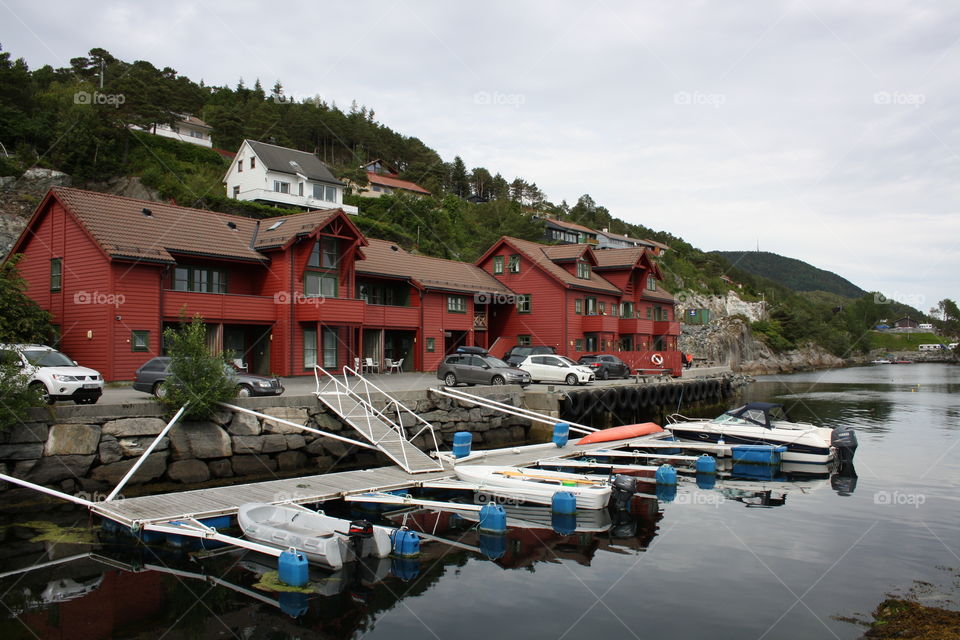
356,365
387,365
239,364
369,365
396,365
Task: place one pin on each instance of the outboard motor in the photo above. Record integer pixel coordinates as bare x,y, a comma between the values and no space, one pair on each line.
360,531
845,440
623,489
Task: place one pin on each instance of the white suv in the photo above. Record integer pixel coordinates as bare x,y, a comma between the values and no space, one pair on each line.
54,374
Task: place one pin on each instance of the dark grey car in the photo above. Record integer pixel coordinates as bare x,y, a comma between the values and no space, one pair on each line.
477,369
515,355
605,366
152,374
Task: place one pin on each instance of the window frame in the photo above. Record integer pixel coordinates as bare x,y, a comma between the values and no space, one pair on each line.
513,264
456,304
56,275
578,306
307,349
431,345
524,303
498,265
206,282
583,270
524,340
136,336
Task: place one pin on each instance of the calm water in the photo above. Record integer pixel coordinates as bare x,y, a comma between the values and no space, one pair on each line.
712,563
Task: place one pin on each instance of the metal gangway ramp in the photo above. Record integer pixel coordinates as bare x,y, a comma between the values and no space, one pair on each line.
350,399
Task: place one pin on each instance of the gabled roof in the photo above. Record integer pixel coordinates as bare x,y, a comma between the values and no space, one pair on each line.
627,258
383,258
569,252
195,121
280,231
395,183
538,254
570,225
291,161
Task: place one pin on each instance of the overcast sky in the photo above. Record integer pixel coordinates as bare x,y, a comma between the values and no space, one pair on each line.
823,130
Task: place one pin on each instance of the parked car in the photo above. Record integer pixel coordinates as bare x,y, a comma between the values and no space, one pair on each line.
515,355
476,369
154,372
556,369
606,366
54,374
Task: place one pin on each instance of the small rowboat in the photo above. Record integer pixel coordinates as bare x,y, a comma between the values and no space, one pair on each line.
624,432
321,538
536,485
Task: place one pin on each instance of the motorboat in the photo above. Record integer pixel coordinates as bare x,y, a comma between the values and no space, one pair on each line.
536,486
537,517
766,423
881,361
321,538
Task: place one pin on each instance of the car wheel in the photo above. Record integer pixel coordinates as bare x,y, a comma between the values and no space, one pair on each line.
84,401
42,390
604,375
450,380
498,380
160,390
626,374
244,391
571,379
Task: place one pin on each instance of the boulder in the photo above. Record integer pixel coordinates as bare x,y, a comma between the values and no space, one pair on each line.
293,414
338,449
129,427
199,440
244,424
72,440
56,468
222,417
315,448
134,447
295,441
253,465
322,463
274,442
24,432
151,469
221,468
247,444
327,422
109,450
24,451
188,471
291,460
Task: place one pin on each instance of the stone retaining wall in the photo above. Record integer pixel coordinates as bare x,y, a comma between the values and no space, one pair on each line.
90,448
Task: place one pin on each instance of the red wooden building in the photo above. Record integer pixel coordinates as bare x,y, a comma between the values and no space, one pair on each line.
289,292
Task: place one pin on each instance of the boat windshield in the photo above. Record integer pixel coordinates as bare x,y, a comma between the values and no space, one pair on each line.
726,418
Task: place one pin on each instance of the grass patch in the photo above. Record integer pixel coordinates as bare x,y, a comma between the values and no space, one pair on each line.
904,341
50,532
270,581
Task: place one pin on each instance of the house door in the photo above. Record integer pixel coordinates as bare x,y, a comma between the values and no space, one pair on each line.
260,354
452,340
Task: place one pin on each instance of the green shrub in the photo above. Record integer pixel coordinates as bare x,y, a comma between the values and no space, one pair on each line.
196,375
16,394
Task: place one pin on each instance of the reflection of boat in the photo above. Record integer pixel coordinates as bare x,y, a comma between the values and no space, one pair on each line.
67,589
536,485
367,572
534,517
770,492
323,539
881,361
766,423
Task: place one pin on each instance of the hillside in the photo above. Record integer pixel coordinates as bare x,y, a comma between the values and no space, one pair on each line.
790,272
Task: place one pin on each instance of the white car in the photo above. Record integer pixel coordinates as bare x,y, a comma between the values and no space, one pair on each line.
550,368
54,374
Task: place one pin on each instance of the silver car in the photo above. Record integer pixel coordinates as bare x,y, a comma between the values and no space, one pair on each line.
479,369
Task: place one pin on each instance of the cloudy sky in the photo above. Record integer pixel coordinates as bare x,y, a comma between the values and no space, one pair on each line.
823,130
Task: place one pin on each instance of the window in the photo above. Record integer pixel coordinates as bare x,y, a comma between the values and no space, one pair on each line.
591,306
524,303
139,341
614,309
583,270
309,347
578,306
523,341
300,189
317,284
626,343
331,194
239,162
649,313
431,344
376,187
456,304
56,274
253,163
626,309
591,343
318,191
497,265
281,187
579,343
651,283
603,308
200,280
330,341
321,278
236,192
514,264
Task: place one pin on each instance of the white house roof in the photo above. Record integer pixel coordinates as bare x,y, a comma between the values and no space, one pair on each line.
284,160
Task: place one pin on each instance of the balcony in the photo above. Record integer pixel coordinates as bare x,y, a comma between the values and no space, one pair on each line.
227,307
599,324
664,328
327,310
629,326
309,202
379,315
480,321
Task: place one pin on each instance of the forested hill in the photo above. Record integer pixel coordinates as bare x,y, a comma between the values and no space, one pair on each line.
792,273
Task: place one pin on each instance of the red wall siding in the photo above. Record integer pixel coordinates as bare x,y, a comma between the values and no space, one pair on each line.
137,308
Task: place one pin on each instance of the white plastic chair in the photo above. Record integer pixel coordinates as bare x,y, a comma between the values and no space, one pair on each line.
370,365
387,365
238,363
356,365
396,365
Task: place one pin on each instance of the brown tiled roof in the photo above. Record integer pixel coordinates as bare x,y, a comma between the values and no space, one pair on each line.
286,228
395,183
565,251
571,225
626,257
122,229
659,294
383,258
195,121
537,253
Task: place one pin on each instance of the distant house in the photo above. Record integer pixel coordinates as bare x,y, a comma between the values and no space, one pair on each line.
276,175
568,232
608,240
926,326
189,129
382,180
906,322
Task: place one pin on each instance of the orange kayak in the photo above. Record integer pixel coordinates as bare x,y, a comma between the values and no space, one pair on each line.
625,432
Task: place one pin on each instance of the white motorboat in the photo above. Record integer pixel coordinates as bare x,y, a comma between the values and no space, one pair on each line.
537,517
767,423
536,485
321,538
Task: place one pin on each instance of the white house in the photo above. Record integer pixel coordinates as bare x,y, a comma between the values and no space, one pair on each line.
189,129
277,175
608,240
